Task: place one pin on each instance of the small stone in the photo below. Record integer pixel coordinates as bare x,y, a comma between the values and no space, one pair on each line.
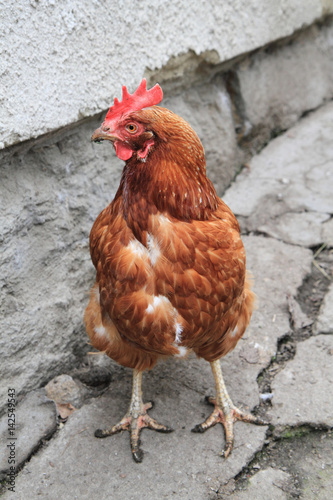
63,390
266,396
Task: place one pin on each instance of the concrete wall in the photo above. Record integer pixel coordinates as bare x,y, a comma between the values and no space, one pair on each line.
52,188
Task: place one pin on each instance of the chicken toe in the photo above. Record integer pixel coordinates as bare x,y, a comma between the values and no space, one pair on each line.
135,420
224,412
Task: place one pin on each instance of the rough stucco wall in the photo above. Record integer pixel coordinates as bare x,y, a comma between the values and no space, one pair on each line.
49,198
63,61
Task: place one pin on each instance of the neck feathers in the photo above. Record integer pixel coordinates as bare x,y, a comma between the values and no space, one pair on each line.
172,179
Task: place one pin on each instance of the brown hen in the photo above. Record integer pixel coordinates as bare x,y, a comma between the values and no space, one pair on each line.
171,274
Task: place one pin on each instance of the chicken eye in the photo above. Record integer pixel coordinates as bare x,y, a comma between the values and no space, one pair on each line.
131,127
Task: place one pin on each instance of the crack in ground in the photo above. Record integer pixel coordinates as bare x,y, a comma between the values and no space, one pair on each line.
38,447
309,297
285,453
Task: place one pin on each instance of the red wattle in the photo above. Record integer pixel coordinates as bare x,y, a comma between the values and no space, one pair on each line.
123,151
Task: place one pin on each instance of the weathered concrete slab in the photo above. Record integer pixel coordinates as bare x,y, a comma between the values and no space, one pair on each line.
298,228
34,420
278,269
272,484
302,389
49,199
294,173
316,470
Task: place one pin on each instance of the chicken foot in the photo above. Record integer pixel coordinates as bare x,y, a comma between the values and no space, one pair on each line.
225,412
135,419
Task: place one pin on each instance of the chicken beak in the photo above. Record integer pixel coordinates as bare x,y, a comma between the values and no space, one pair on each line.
103,134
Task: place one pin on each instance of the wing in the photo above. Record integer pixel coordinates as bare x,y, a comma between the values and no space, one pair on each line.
202,269
127,286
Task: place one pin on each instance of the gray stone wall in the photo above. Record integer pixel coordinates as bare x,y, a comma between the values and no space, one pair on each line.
52,189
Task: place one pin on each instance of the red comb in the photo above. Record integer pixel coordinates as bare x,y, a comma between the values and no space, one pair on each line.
141,98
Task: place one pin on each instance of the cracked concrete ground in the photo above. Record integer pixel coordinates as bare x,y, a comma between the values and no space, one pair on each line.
284,203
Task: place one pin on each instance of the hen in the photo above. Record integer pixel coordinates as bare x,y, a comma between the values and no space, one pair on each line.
171,274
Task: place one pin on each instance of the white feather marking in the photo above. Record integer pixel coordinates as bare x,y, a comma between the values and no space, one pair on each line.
178,339
234,332
157,301
153,248
100,331
182,351
150,309
163,219
179,330
137,248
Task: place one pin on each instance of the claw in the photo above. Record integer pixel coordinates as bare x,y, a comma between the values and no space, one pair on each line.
198,428
99,433
134,426
137,454
210,400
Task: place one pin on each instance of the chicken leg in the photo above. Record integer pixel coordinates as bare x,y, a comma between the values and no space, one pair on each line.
225,412
135,419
